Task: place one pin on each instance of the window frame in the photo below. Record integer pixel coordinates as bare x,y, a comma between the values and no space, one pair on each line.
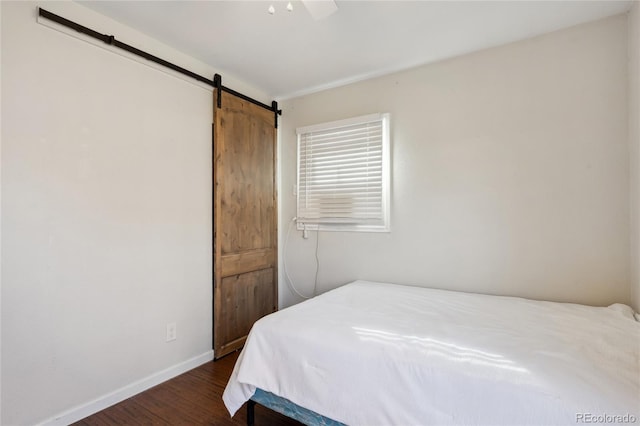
384,224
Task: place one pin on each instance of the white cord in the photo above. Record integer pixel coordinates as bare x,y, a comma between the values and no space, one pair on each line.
284,261
315,282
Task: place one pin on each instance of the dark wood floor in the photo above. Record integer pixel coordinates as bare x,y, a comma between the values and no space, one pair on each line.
193,398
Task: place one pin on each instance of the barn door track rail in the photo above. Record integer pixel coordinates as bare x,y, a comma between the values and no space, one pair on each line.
111,40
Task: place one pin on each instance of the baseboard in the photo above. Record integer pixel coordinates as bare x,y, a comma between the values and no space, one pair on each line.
98,404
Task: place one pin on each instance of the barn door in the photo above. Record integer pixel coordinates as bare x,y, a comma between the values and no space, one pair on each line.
244,219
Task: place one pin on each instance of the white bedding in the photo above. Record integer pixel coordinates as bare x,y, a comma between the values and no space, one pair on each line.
382,354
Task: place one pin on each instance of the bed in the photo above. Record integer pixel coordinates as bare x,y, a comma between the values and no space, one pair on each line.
384,354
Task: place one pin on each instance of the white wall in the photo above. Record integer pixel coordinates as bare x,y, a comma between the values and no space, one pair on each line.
0,217
510,173
634,141
106,215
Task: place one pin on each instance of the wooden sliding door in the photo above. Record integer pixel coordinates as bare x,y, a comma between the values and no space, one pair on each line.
244,219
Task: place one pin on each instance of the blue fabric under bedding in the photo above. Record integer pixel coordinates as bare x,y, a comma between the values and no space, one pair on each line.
289,409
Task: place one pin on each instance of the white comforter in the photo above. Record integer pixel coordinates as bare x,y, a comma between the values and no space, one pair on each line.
382,354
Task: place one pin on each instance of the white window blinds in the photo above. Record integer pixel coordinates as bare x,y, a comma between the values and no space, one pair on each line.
343,174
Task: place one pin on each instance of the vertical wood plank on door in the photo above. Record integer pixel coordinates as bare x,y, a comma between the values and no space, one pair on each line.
245,220
247,206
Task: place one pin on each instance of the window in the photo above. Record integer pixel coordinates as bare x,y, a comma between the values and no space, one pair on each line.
343,175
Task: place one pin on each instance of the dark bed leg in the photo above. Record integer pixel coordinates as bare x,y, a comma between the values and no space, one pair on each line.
250,412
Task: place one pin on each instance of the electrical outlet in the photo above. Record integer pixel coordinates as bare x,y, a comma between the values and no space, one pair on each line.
172,333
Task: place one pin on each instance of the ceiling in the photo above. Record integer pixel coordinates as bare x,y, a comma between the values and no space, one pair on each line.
287,54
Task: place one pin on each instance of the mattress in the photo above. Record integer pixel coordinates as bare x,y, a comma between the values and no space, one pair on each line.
384,354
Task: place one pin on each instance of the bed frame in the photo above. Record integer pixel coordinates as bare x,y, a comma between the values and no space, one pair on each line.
287,408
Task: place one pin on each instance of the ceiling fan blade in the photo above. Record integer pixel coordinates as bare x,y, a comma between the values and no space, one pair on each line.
320,9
